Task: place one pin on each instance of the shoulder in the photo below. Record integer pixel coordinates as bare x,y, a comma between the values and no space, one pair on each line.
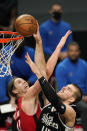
74,106
65,24
83,62
71,113
70,116
47,106
63,64
45,24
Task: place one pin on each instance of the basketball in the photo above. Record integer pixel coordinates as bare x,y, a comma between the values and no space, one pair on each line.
26,25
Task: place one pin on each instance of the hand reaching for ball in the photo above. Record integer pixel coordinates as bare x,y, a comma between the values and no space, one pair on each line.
37,35
32,65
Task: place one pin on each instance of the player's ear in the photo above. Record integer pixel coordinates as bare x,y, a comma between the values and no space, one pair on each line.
15,91
71,100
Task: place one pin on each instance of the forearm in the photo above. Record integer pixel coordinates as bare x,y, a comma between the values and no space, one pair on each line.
51,63
39,58
52,96
40,62
54,57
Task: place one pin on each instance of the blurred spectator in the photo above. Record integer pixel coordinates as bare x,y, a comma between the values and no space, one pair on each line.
53,29
4,99
74,70
4,81
8,12
18,65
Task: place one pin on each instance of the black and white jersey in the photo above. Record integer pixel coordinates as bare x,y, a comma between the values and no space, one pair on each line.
50,120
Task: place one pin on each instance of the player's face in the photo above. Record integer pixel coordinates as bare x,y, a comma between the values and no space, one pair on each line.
21,86
67,92
73,52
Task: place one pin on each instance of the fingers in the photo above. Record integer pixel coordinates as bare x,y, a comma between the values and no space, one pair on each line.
31,64
63,39
28,59
37,28
38,33
68,33
35,35
27,56
27,62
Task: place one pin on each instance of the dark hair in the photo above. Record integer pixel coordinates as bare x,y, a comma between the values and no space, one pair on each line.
11,87
59,4
74,43
78,93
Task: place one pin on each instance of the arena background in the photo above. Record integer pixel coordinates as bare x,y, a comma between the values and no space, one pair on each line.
75,12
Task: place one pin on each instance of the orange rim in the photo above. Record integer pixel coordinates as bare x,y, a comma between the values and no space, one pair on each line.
5,40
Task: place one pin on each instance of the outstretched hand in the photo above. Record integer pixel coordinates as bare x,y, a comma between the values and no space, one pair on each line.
37,35
32,65
63,39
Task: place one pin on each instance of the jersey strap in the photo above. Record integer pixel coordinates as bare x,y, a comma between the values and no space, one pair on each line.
35,119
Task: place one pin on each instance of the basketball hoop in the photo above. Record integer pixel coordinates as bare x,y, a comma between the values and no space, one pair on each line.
10,41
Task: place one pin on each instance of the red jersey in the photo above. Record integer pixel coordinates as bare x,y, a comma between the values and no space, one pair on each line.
25,122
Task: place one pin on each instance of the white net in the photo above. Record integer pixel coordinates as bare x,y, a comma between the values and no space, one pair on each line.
6,53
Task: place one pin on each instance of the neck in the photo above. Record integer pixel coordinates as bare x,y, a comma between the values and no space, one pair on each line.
55,21
66,102
20,95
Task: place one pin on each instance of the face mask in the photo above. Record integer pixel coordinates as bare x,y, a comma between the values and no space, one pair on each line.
56,15
74,61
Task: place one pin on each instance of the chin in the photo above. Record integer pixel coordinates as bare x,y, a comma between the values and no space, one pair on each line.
25,91
74,60
59,94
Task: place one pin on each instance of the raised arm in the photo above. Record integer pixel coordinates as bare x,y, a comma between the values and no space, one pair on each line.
54,57
40,62
35,89
39,55
45,70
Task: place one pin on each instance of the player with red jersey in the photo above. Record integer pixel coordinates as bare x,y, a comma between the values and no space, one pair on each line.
28,110
26,122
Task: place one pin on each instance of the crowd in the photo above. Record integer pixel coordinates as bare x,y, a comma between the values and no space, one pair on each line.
55,55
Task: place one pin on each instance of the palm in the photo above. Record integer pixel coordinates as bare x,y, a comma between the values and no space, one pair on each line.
32,65
37,35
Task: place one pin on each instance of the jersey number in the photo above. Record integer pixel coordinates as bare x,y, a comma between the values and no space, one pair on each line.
45,129
18,125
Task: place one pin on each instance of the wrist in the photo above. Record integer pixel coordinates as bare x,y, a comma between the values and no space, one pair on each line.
39,41
38,74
